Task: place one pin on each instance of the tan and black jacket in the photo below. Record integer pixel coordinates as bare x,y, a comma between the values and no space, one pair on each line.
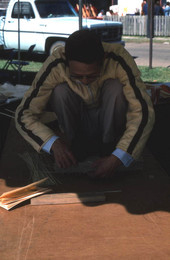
117,64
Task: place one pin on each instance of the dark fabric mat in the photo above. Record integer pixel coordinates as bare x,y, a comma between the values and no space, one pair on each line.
148,185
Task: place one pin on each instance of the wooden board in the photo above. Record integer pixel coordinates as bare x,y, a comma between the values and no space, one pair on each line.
68,198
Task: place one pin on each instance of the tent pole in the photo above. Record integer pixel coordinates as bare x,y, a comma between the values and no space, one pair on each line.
151,23
80,14
19,54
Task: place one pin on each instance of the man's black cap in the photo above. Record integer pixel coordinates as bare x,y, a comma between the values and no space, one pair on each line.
84,46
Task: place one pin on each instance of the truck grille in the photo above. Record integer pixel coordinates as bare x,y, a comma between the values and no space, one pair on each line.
109,34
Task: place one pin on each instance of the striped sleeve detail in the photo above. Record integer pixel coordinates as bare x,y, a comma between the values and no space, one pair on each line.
34,93
138,95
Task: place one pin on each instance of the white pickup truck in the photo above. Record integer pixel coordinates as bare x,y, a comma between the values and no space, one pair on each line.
48,23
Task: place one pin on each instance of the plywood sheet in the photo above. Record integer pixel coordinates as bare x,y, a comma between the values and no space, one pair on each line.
131,224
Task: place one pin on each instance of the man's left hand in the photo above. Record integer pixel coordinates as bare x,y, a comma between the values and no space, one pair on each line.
105,167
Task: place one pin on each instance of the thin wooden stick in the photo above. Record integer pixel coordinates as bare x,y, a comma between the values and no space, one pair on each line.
6,115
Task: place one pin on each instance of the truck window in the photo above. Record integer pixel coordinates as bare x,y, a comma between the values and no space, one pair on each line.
2,11
25,10
50,9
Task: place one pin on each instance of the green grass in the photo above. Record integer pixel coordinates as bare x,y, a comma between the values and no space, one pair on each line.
142,39
156,74
33,66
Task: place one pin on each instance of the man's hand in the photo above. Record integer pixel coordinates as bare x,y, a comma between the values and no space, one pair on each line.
63,156
105,167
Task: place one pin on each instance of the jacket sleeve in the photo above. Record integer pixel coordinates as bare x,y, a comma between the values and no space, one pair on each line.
28,117
140,115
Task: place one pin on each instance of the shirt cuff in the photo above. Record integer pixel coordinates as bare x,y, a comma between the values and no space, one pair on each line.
126,158
47,146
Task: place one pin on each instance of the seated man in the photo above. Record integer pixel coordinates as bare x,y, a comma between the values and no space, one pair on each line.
100,102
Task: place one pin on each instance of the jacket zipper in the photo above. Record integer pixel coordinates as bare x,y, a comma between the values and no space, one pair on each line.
91,94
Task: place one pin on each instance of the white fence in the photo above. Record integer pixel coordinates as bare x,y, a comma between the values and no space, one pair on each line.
137,25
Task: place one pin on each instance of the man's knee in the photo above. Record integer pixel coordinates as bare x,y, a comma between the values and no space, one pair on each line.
112,93
61,92
59,97
112,87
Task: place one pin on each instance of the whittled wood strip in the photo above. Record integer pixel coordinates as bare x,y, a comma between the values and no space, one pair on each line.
20,191
68,198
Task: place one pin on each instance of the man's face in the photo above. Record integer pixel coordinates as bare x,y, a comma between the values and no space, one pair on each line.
85,73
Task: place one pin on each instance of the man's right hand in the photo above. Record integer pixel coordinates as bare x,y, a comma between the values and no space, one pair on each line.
64,158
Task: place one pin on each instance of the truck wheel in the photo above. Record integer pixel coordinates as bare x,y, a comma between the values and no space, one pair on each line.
55,45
